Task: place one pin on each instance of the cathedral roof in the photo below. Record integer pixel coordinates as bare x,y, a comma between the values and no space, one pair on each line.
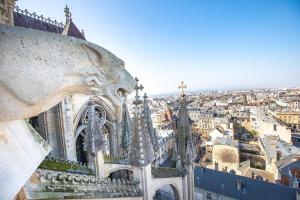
26,19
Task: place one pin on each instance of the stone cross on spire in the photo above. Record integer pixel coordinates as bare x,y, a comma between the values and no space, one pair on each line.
67,14
137,87
181,87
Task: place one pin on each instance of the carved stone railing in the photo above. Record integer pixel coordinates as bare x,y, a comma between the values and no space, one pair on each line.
164,172
115,159
60,164
38,17
52,184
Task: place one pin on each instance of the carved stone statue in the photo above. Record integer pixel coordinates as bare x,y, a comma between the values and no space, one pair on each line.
37,70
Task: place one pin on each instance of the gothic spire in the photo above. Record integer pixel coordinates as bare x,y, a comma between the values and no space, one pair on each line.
141,149
149,125
185,147
125,129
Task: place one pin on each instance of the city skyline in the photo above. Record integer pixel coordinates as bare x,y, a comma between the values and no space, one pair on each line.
220,118
210,45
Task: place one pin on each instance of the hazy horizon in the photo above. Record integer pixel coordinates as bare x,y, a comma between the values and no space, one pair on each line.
211,45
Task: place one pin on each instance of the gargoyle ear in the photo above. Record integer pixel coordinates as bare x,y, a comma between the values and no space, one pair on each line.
96,54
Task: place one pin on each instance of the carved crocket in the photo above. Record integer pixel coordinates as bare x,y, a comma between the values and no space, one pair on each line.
37,69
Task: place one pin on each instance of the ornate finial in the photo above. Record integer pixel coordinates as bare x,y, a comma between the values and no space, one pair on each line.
26,12
67,14
145,96
82,32
137,88
182,87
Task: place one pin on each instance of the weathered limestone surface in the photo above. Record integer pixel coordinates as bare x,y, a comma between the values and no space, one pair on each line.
22,149
38,69
48,184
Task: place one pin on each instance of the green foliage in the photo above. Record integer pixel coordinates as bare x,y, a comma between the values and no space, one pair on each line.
113,159
162,172
58,166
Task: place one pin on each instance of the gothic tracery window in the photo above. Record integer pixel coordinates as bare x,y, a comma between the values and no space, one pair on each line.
94,132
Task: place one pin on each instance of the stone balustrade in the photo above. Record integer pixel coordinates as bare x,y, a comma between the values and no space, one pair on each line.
56,184
61,164
38,17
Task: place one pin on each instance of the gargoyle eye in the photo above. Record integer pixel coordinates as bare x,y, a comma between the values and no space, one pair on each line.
121,92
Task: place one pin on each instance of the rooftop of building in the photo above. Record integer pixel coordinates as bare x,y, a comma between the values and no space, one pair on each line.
226,141
246,170
290,162
271,144
288,112
226,184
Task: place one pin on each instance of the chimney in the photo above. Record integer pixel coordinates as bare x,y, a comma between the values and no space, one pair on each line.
278,155
290,172
238,184
253,175
225,169
216,166
296,184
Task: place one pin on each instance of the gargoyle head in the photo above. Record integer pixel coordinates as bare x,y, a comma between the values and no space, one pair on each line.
113,81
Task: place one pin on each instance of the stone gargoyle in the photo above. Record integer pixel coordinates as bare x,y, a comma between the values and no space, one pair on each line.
38,69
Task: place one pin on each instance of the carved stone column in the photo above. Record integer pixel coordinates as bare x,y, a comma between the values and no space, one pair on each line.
67,115
118,130
54,130
6,12
113,142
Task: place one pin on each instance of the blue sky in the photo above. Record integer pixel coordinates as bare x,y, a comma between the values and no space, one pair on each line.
210,44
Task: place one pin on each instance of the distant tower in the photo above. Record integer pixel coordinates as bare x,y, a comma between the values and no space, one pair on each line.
185,146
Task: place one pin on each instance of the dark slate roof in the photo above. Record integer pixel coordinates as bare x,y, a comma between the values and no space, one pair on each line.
225,183
31,22
74,32
285,170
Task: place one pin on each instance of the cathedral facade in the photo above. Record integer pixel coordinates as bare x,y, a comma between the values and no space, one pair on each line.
97,150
